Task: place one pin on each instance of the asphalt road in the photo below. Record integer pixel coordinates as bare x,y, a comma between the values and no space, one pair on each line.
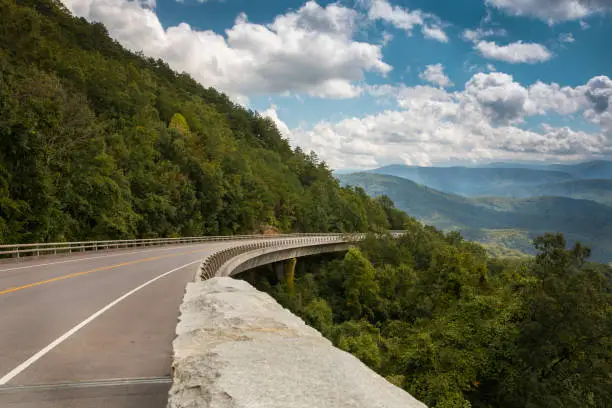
92,330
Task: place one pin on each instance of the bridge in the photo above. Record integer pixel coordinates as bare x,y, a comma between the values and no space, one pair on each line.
92,324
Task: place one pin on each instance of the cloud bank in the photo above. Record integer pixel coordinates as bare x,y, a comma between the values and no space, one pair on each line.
553,11
482,122
310,50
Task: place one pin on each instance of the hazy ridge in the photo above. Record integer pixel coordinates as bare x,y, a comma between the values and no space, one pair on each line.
566,206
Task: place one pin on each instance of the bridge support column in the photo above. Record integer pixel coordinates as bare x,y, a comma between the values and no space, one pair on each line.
290,273
285,272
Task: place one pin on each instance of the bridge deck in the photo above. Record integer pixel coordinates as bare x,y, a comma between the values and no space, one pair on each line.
95,329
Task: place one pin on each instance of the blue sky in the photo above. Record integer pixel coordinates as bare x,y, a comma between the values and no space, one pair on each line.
372,82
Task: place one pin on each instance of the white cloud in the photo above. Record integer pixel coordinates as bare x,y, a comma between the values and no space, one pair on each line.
435,75
514,53
310,50
479,123
406,20
480,33
546,98
501,99
552,10
598,94
398,16
567,38
435,33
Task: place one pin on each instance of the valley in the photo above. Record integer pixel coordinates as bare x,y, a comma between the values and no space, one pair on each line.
503,208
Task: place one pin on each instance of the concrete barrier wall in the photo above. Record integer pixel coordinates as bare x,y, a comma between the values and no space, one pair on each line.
237,347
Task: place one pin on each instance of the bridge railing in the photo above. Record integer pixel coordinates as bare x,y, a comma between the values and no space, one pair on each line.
211,264
37,249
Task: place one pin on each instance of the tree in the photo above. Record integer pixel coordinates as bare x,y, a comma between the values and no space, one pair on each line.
565,345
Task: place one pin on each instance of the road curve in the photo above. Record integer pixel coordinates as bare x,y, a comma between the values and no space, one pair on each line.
93,330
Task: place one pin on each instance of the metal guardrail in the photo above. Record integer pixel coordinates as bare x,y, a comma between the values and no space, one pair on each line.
23,250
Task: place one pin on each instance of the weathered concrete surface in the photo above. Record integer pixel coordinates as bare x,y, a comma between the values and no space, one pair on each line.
236,347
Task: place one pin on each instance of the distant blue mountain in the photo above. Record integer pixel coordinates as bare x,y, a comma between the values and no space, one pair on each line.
510,179
596,169
474,181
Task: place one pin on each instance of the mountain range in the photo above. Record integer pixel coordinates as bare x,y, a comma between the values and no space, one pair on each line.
502,206
500,179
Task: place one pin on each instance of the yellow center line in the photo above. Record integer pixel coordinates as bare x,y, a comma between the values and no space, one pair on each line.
103,268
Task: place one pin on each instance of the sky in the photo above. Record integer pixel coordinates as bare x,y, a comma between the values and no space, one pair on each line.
366,83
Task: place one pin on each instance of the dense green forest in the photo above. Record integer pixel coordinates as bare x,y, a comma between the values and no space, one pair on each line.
437,317
98,142
503,224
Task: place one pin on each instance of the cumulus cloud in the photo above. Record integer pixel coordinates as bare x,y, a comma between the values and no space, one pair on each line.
435,33
553,10
545,98
310,50
500,98
479,123
514,53
406,20
599,93
435,74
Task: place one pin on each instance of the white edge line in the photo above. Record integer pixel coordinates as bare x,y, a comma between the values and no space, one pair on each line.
21,367
96,257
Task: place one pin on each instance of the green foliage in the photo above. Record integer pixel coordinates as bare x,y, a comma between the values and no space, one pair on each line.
179,123
434,315
318,314
97,142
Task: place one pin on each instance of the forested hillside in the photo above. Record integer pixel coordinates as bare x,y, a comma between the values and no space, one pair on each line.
97,142
502,222
456,329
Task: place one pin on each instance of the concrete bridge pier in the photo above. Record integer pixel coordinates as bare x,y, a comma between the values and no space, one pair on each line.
285,271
